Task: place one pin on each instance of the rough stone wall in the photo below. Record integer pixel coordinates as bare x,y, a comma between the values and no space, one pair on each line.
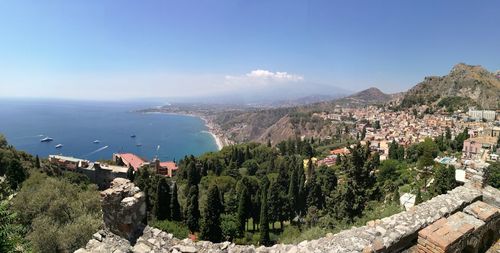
123,209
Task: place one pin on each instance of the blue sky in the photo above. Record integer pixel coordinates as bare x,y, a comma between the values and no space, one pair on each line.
124,49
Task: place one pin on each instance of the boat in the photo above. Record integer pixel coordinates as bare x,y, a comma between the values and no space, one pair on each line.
46,139
132,136
59,146
97,141
138,145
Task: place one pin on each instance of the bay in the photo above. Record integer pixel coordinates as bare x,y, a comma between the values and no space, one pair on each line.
76,124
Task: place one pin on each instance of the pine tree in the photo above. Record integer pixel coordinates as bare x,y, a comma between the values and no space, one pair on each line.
264,220
162,204
211,229
175,208
193,210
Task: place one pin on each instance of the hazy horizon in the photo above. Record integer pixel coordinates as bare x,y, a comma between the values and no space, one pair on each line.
125,50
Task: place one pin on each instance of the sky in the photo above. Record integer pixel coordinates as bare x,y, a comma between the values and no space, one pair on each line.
118,49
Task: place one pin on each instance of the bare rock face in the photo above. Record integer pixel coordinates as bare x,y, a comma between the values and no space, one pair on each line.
124,208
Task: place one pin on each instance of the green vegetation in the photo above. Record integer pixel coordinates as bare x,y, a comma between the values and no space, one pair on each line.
52,211
493,175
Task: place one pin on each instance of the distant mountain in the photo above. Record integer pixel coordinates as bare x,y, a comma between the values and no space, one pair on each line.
465,85
370,96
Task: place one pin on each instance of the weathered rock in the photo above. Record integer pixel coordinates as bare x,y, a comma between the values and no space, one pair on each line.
123,207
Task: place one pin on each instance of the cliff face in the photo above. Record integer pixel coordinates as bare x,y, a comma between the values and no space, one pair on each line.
474,84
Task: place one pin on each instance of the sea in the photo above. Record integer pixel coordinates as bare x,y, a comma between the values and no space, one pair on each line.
77,124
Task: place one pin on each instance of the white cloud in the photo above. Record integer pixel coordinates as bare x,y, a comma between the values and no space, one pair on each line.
117,85
279,76
261,78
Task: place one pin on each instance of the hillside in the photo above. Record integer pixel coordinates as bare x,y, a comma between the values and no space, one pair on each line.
280,124
467,85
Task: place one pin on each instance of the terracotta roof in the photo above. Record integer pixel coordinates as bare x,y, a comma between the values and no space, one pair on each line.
169,165
132,159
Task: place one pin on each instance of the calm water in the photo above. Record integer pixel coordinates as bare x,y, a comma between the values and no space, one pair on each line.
76,125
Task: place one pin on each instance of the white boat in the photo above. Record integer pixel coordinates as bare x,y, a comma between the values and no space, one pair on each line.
46,139
59,146
97,141
138,145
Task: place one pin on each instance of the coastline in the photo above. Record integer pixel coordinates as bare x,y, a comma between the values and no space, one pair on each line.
213,129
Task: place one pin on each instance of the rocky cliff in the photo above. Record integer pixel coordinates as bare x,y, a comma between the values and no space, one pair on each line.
473,85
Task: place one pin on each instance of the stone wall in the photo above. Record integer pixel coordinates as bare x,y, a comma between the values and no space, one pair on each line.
123,209
473,230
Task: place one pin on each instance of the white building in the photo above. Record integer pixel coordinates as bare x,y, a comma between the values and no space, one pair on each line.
482,114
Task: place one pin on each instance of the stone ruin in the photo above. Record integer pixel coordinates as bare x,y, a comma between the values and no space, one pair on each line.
466,219
124,208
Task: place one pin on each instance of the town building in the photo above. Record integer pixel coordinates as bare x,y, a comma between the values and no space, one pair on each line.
129,160
488,115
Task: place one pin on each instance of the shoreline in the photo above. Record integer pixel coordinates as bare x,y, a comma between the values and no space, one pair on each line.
213,129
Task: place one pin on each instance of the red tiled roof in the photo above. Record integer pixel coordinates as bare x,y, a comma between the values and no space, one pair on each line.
169,165
340,151
131,159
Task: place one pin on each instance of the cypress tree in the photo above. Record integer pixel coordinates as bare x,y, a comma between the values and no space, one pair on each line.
162,204
293,192
211,229
37,162
264,220
418,197
193,211
193,174
175,208
130,173
244,206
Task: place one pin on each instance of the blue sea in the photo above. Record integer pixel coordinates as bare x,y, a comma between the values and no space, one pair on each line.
76,124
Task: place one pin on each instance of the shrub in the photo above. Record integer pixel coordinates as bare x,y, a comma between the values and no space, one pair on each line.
178,229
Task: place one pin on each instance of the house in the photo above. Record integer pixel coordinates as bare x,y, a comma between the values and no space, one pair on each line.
340,151
68,162
129,160
471,149
167,168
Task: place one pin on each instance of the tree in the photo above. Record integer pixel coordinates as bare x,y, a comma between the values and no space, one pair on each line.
162,204
264,221
444,180
193,210
16,173
492,174
7,228
418,197
175,208
363,133
244,206
37,162
211,227
293,194
130,173
193,174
